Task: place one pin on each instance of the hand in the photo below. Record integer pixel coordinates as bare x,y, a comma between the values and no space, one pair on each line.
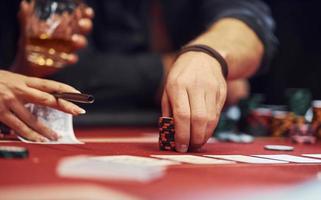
17,90
73,29
194,93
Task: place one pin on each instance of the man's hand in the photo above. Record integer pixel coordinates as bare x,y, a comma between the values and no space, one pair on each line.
72,29
17,90
194,93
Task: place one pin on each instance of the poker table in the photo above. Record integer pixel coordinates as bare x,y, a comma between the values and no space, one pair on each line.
185,181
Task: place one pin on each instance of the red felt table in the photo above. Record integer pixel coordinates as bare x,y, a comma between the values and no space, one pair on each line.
184,181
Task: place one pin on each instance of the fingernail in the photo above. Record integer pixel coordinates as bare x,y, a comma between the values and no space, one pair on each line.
80,111
181,148
54,136
83,22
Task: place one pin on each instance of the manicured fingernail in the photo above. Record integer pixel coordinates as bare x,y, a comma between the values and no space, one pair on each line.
54,136
181,148
80,111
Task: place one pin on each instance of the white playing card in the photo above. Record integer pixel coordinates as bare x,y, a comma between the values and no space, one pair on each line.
57,121
312,155
191,159
290,158
135,160
122,167
246,159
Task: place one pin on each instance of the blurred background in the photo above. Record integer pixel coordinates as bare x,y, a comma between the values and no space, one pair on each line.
297,62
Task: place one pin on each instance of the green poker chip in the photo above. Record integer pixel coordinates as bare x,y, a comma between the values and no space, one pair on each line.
13,152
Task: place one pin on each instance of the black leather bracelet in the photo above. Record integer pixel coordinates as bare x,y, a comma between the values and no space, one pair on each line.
210,51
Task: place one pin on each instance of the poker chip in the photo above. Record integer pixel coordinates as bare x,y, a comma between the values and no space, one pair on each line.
8,152
166,134
278,148
316,120
235,137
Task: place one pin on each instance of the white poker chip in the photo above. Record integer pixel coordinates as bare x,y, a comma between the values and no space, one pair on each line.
279,147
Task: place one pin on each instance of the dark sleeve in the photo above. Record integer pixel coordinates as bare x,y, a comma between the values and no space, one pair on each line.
116,80
9,32
254,13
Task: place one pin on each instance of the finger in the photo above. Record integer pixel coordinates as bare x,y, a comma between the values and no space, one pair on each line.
21,128
79,41
221,98
181,112
198,117
72,59
213,117
85,25
166,107
88,12
45,99
24,11
24,115
49,86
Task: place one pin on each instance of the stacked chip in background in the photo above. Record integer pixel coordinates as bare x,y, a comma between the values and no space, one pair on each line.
302,132
316,120
282,122
166,134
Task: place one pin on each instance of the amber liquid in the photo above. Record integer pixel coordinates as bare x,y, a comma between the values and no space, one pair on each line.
48,52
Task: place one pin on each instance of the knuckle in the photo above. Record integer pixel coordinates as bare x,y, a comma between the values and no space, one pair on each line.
211,84
8,97
200,117
182,82
177,82
182,114
45,100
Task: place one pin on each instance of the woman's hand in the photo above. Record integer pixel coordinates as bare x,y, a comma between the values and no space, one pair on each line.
17,90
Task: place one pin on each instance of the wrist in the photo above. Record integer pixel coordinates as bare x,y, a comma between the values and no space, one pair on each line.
210,52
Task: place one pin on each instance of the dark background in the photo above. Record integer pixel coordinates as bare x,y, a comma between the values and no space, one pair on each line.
297,64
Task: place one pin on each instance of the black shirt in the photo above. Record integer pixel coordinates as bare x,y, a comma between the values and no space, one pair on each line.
119,66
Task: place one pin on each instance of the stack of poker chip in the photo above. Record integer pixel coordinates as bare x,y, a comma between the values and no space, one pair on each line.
281,123
316,120
166,134
302,132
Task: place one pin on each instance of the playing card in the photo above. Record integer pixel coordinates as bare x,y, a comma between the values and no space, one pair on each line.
120,168
191,159
135,160
246,159
56,120
290,158
312,155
